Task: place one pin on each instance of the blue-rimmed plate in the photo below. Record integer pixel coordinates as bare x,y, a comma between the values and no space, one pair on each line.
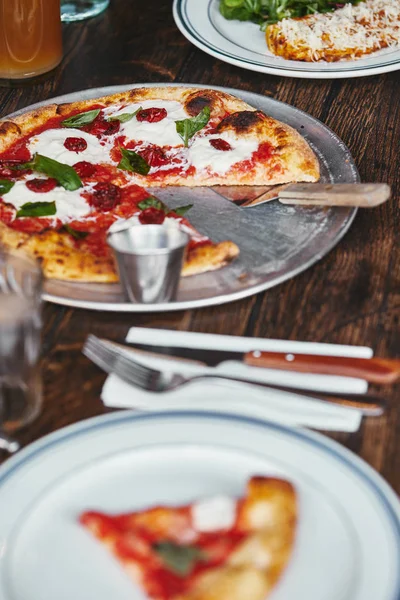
348,539
243,44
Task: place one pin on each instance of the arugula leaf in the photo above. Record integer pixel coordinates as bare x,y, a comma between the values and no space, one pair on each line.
181,210
78,235
188,127
82,119
5,186
131,161
124,117
265,12
179,559
152,202
37,209
66,176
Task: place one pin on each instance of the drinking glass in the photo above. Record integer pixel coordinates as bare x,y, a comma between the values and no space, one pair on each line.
20,329
76,10
30,38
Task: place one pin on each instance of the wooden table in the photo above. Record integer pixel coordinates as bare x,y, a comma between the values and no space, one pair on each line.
352,296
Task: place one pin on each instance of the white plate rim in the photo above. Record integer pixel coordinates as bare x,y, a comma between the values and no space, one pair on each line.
356,466
194,36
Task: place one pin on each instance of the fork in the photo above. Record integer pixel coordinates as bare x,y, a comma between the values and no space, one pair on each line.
112,360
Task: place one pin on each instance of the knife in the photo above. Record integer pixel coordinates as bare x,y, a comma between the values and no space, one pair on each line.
373,370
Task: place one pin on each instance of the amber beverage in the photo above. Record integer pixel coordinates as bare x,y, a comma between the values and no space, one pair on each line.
30,38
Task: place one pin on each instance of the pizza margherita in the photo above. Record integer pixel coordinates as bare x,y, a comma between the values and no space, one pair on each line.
69,171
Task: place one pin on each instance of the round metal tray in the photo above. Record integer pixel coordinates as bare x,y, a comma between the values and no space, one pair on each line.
276,241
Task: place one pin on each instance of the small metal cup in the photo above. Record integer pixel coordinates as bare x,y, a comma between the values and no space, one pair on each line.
149,259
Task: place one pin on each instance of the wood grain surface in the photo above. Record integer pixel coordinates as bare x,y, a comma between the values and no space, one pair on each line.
352,296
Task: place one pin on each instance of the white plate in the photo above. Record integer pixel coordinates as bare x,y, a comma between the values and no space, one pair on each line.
243,44
348,542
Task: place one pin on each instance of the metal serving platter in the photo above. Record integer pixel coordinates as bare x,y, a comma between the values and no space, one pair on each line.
276,241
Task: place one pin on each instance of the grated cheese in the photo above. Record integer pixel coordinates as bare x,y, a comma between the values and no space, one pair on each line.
349,32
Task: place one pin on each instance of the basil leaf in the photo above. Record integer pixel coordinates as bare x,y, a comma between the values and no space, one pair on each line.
82,119
65,175
181,210
179,559
124,117
188,127
78,235
131,161
5,186
37,209
151,202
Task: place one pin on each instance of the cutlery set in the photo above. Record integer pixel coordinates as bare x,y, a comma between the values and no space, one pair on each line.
126,361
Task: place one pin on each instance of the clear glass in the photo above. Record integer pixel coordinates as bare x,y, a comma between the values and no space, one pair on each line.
20,335
76,10
30,38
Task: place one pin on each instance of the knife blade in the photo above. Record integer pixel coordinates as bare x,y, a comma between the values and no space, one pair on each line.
373,370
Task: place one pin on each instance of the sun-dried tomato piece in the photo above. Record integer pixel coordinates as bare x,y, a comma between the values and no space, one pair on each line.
41,186
154,156
9,170
75,144
105,196
220,144
84,168
151,115
152,216
6,172
101,127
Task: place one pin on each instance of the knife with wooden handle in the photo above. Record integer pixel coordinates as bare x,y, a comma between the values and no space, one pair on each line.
373,370
362,195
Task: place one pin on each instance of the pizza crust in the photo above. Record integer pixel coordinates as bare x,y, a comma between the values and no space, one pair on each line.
254,567
61,259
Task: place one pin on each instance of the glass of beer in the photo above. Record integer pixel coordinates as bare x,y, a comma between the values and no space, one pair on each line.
20,335
30,38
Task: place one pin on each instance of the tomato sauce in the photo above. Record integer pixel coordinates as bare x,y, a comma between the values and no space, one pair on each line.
34,224
173,171
264,153
133,541
19,150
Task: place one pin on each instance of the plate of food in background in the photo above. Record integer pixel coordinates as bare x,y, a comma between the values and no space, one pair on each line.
317,39
194,506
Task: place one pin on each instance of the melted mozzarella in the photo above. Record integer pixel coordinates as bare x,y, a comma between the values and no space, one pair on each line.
162,133
69,205
50,143
203,156
214,514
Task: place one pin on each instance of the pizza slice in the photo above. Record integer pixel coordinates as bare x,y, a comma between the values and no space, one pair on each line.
215,549
76,249
350,32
